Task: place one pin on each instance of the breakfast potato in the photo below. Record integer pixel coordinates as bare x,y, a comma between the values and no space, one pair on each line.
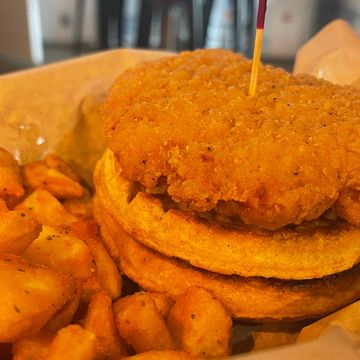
72,342
81,208
64,317
17,231
10,180
32,347
62,251
46,209
38,175
90,286
162,302
55,162
163,355
140,323
200,324
30,296
100,320
106,270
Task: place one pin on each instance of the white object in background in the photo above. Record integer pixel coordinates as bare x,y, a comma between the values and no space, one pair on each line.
332,54
20,31
155,28
350,10
58,18
287,27
130,23
221,28
177,30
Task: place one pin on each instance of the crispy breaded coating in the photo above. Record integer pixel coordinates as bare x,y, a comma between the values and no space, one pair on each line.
281,157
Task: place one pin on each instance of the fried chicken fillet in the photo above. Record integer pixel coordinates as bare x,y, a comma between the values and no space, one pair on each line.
186,125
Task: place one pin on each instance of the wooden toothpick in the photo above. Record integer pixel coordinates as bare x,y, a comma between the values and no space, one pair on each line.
257,47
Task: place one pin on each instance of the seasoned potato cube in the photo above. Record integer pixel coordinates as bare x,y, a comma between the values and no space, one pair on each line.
107,272
162,302
61,251
38,175
46,209
30,296
17,231
72,343
10,180
54,162
64,317
140,323
90,286
32,347
100,320
162,355
200,324
81,208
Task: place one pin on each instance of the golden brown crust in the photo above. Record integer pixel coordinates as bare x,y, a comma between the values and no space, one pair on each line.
11,186
282,156
304,253
246,298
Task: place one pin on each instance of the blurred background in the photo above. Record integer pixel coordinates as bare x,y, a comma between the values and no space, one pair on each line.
34,32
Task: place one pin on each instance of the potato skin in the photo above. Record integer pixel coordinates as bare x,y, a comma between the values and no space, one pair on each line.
17,231
72,342
30,296
100,320
11,185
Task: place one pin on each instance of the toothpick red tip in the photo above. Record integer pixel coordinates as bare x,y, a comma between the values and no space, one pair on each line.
261,14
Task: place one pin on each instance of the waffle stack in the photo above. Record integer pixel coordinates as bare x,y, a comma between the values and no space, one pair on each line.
249,270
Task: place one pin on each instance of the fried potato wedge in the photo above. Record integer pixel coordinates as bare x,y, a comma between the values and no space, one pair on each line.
17,231
30,296
100,320
10,180
72,342
62,251
162,302
81,208
38,175
162,355
55,213
65,315
32,347
107,272
90,286
200,324
55,162
140,323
